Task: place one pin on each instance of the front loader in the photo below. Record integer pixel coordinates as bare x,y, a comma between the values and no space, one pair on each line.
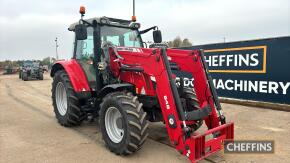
113,77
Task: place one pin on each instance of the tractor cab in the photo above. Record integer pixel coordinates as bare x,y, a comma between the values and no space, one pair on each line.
94,36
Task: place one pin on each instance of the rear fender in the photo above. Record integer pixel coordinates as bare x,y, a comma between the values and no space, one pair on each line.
75,72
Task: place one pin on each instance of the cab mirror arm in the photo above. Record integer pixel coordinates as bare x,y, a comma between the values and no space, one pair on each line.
86,22
147,30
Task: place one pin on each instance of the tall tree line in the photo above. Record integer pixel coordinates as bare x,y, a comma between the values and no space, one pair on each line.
178,42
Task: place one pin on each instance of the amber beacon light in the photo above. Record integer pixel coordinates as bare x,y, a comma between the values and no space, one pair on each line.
133,18
82,10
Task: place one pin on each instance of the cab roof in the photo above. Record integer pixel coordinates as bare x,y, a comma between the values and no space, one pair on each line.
104,20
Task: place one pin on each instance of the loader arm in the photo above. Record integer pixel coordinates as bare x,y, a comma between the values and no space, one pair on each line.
155,64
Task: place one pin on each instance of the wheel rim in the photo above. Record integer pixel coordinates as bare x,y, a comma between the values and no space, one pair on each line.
61,98
114,125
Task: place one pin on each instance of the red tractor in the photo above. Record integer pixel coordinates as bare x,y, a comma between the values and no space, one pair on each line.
114,77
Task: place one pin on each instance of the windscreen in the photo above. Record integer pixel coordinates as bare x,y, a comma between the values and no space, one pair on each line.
120,36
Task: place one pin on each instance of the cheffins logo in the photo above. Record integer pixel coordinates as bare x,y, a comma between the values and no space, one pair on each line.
237,60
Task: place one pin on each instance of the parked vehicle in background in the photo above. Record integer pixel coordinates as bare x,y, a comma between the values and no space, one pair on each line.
9,70
31,70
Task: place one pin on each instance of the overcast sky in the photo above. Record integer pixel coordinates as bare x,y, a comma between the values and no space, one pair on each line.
28,27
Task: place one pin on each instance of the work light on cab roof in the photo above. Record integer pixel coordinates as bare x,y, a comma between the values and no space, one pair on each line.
107,21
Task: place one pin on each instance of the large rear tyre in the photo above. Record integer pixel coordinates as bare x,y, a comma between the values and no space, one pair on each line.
123,123
66,105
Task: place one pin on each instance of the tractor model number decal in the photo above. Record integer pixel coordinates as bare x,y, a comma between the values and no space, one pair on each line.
166,102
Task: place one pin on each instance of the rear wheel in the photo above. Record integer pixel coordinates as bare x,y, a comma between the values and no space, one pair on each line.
123,123
66,105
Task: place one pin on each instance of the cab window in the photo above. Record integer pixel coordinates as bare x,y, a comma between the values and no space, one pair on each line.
85,48
85,55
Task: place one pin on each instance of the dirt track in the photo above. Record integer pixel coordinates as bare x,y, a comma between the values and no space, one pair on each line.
30,133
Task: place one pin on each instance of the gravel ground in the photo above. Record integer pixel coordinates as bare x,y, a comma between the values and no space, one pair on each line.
29,131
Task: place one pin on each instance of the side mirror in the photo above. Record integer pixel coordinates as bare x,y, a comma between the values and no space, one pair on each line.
157,37
81,32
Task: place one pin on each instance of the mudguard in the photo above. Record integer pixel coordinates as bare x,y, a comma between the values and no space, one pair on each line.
75,72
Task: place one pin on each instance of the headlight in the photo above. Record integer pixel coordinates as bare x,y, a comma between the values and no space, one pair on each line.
135,25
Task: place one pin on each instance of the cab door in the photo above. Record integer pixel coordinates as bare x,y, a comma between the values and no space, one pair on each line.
84,54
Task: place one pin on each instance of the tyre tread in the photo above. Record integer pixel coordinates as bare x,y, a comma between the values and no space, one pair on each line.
137,123
75,115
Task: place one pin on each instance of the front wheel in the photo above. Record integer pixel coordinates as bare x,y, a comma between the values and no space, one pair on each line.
66,105
40,76
192,103
25,76
123,123
189,95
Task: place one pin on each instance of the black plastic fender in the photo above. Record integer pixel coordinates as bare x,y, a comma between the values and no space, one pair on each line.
115,87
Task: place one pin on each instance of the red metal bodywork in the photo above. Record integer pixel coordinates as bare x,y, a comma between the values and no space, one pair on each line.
196,147
76,74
